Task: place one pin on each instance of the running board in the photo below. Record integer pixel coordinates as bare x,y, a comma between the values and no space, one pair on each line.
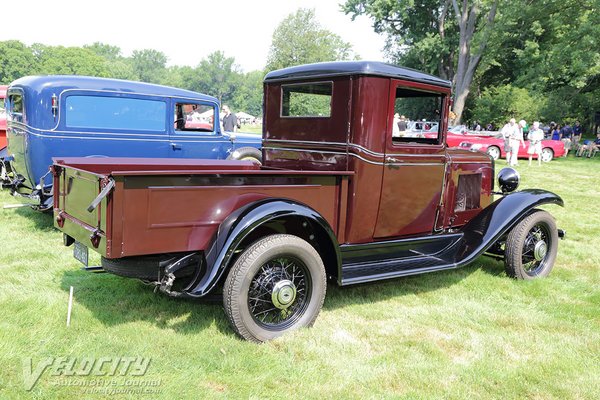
393,259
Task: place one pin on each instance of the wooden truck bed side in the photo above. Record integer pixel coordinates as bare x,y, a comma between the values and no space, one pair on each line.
159,208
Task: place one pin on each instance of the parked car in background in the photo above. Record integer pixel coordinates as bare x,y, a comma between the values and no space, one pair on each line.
458,134
2,121
59,116
494,146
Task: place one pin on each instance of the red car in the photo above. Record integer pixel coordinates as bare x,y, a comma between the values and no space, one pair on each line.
457,135
2,121
494,146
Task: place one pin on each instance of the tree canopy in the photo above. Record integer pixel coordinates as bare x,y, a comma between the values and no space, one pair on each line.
496,51
300,39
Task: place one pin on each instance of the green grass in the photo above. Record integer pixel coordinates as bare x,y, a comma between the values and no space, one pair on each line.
468,333
251,129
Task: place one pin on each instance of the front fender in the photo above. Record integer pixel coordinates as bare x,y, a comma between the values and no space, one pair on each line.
237,226
497,219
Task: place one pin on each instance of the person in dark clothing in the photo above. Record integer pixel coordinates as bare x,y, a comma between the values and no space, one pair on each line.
555,132
565,135
230,122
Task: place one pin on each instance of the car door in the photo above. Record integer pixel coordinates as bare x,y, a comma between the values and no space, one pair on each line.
194,132
414,166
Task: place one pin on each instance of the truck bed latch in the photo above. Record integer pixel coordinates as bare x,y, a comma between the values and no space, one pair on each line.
109,186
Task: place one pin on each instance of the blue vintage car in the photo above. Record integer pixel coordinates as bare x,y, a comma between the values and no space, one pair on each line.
58,116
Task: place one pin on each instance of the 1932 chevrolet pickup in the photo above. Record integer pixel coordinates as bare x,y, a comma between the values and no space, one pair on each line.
338,197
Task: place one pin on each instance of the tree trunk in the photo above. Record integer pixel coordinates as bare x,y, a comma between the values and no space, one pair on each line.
467,18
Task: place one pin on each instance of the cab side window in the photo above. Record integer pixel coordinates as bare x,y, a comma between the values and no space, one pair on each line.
194,117
15,107
417,116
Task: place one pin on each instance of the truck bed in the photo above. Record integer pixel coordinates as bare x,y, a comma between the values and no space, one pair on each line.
155,206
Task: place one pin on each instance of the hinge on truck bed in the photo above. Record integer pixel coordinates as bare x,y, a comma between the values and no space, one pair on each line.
108,186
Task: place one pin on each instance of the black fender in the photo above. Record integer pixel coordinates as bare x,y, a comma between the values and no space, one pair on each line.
239,224
496,220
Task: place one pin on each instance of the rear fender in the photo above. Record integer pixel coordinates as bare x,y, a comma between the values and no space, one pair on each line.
496,220
241,223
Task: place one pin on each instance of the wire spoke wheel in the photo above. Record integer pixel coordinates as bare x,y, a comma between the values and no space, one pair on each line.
531,247
276,285
278,293
535,249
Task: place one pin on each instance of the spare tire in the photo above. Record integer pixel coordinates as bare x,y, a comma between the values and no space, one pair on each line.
246,153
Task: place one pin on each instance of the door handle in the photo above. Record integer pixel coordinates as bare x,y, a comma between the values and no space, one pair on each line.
175,146
392,160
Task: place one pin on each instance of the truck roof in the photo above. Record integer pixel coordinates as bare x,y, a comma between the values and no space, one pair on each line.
346,68
63,82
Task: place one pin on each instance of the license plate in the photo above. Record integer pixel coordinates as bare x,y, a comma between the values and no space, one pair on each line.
80,252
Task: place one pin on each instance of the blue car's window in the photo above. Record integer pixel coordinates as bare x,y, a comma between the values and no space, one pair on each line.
194,117
15,107
99,112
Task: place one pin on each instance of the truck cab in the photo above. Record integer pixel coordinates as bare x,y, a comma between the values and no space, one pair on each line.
345,194
405,183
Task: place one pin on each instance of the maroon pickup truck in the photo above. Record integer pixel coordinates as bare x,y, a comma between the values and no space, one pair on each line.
342,195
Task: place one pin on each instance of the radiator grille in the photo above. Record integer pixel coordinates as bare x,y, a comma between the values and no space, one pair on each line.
468,193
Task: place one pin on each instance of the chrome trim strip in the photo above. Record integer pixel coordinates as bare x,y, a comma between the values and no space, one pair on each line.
136,137
400,164
356,146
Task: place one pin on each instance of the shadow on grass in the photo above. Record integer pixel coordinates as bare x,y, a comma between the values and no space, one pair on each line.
43,221
115,300
338,297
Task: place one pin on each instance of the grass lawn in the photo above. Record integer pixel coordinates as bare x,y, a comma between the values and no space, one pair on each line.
468,333
251,129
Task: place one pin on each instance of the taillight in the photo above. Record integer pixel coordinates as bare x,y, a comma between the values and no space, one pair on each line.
54,104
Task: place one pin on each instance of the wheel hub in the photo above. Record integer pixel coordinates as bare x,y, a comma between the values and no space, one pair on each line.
540,250
283,294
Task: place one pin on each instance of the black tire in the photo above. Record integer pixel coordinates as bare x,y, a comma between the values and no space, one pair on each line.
276,269
246,153
531,247
148,268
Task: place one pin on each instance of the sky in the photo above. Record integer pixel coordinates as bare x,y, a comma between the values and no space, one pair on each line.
185,31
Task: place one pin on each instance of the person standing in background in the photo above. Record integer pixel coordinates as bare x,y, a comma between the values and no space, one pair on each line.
565,135
229,120
509,130
577,131
516,139
536,135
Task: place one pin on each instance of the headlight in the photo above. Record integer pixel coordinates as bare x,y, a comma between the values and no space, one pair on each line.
508,180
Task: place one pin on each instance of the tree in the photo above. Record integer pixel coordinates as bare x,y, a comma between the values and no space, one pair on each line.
149,65
248,94
499,104
118,67
553,55
216,75
443,37
67,61
16,61
300,39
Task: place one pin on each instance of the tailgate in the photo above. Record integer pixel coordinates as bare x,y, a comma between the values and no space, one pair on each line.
80,205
